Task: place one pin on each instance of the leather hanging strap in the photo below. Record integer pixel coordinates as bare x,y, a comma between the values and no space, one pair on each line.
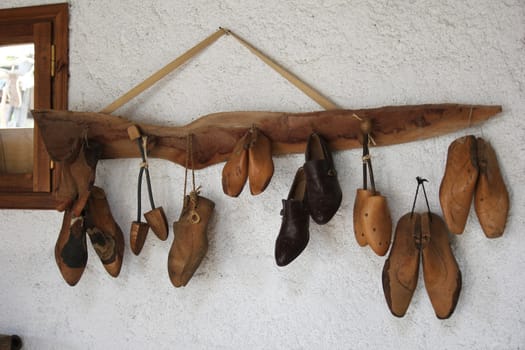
155,77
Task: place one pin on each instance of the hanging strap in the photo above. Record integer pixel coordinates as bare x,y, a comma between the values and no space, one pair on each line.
155,77
193,199
298,83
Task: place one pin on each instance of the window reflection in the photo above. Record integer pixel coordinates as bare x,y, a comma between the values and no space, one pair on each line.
16,85
16,100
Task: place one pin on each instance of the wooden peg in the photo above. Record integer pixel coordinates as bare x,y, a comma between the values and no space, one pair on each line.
133,132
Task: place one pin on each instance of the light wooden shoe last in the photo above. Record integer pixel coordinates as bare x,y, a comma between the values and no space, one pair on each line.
190,242
491,199
401,269
360,198
235,171
377,223
440,269
260,162
459,182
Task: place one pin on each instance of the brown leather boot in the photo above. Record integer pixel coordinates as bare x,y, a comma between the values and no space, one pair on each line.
492,198
401,269
191,240
459,182
360,199
83,170
104,233
235,171
294,232
71,249
440,269
260,162
377,223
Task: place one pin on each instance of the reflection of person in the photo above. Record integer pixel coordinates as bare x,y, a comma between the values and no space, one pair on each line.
17,92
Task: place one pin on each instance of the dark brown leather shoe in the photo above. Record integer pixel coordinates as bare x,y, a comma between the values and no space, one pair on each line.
491,198
294,233
440,269
458,184
70,248
401,269
104,233
322,186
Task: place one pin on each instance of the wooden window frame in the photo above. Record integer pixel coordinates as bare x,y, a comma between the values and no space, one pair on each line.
30,25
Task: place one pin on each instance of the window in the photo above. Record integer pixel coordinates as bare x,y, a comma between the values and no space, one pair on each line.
33,75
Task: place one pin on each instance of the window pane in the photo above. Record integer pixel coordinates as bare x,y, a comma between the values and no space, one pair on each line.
16,100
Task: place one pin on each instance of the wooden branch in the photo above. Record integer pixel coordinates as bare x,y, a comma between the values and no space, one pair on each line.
216,134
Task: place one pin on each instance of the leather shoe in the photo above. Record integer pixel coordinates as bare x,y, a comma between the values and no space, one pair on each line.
322,186
294,233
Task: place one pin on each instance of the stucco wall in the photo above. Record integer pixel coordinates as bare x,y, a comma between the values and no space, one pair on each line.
359,53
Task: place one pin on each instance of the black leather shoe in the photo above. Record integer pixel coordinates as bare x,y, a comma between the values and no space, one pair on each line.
322,187
294,233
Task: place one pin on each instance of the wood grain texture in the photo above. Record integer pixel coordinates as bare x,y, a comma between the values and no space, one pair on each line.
215,135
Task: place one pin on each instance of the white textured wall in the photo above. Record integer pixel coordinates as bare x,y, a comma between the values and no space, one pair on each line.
360,53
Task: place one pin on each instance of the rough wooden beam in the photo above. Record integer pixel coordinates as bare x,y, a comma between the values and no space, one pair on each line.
216,134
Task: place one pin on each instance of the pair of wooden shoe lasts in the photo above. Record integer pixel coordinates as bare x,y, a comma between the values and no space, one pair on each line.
424,235
472,171
371,216
104,233
155,218
251,158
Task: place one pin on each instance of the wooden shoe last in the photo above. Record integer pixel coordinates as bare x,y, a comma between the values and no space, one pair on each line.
440,269
376,223
70,248
491,199
401,269
360,199
458,184
104,233
235,171
190,242
260,162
